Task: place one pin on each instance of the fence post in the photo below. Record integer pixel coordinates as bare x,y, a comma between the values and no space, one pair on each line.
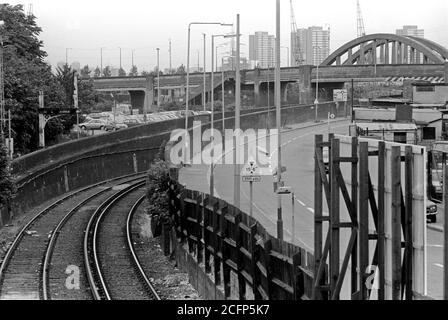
408,221
445,232
354,198
217,230
239,261
267,259
396,222
206,232
381,221
334,216
225,255
297,273
318,224
254,258
363,217
199,211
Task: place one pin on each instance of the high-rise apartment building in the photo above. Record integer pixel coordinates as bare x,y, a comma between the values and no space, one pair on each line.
262,49
310,46
413,31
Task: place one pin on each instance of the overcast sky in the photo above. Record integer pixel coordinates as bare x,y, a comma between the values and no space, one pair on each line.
143,25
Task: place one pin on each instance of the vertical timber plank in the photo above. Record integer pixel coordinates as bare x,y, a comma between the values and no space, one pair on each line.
363,216
396,222
408,220
381,216
334,217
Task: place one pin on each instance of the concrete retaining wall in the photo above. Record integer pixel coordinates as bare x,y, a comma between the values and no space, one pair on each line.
52,172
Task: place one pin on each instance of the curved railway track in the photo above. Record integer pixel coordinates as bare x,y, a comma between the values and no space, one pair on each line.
112,267
34,266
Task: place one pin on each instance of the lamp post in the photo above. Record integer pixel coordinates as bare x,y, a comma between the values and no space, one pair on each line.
158,80
120,58
213,108
278,118
316,102
66,55
187,93
204,100
101,60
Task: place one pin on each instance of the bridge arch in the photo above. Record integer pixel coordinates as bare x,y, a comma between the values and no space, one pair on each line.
393,49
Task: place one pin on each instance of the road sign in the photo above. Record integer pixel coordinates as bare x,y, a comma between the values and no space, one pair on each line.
332,116
250,169
284,190
251,178
340,95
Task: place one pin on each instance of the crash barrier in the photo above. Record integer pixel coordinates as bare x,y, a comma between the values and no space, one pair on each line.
234,251
54,171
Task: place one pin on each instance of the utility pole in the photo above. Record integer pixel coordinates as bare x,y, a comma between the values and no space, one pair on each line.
204,101
278,118
236,189
2,87
120,58
133,58
66,55
101,61
158,79
169,50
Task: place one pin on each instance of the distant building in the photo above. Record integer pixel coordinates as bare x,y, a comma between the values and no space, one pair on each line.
229,63
311,46
413,31
261,49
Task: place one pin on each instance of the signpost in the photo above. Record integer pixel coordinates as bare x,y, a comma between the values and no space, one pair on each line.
251,174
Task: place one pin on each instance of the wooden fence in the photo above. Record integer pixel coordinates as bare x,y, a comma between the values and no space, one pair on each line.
227,241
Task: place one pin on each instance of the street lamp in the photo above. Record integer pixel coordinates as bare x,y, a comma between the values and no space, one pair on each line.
187,93
316,102
278,118
213,107
158,80
101,61
66,55
204,101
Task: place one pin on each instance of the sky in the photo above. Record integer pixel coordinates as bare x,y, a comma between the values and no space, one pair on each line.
144,25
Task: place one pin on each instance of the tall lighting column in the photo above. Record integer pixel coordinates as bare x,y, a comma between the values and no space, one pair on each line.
187,93
236,166
278,118
158,80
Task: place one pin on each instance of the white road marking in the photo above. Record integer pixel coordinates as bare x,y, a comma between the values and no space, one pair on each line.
435,245
438,265
310,210
301,203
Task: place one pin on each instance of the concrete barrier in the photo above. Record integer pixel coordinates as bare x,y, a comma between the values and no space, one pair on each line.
52,172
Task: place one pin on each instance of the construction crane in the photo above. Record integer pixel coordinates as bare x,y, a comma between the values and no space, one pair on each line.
360,21
295,46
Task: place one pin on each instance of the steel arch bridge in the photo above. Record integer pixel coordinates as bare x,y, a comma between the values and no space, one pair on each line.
383,48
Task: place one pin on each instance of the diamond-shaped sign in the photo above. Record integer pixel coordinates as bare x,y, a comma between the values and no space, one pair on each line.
250,169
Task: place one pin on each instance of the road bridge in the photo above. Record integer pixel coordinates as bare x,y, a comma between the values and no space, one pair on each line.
372,58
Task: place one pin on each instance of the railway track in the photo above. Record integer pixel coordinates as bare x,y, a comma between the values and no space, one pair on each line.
112,266
39,255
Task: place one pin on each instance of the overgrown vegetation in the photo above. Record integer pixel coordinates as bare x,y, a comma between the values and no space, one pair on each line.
7,186
157,194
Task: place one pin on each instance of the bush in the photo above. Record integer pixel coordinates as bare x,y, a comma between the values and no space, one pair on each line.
7,186
157,187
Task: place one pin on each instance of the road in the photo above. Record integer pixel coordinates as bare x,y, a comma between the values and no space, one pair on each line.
297,156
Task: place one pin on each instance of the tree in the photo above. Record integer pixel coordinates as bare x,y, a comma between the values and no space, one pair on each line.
7,187
181,70
25,74
121,72
85,72
97,72
145,73
107,72
133,72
